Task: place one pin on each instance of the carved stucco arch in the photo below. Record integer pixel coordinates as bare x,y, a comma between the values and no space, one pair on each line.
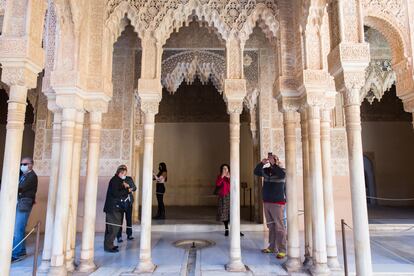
187,65
399,49
262,13
391,33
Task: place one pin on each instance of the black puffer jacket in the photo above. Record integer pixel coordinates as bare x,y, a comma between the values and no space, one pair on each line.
115,193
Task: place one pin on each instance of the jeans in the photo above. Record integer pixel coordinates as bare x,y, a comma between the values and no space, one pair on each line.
128,218
19,232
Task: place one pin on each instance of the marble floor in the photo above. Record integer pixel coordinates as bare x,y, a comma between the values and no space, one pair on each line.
391,252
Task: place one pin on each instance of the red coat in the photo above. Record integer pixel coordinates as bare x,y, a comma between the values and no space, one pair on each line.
224,184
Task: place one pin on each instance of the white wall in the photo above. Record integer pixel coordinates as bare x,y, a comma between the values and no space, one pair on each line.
193,153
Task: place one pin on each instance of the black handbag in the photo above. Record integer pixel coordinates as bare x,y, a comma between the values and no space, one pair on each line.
24,204
216,190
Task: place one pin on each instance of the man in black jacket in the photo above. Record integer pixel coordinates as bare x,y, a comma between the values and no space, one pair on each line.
25,200
127,208
274,201
118,190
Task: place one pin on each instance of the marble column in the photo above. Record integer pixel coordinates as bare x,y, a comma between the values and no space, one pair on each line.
293,243
306,189
51,198
356,173
87,263
60,227
74,192
235,263
137,174
320,266
328,196
145,262
11,168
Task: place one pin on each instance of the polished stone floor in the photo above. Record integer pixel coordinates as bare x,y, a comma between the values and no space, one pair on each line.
392,255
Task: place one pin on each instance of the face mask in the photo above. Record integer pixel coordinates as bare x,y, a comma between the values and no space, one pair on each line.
267,165
123,177
24,168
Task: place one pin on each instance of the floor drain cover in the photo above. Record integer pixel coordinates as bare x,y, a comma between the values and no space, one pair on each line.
193,244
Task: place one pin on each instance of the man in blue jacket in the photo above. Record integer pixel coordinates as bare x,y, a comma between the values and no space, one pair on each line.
274,201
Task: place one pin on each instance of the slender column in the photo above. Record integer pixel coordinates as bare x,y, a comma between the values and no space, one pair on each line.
306,189
145,262
328,197
11,165
293,243
235,263
356,173
74,191
315,172
135,211
91,192
60,228
51,198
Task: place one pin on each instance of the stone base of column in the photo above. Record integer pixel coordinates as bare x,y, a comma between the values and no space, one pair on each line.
236,266
70,265
308,262
58,271
320,269
86,266
334,264
144,267
293,265
44,267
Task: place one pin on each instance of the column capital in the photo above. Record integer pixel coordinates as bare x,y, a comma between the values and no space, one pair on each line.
288,103
150,107
70,101
234,107
97,105
22,75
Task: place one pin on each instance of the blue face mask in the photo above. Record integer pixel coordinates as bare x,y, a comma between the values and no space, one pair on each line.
123,177
24,168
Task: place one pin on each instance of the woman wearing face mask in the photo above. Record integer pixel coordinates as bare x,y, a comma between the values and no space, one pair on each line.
161,179
118,190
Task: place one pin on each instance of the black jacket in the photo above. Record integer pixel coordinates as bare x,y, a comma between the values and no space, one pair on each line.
115,193
273,183
131,184
28,187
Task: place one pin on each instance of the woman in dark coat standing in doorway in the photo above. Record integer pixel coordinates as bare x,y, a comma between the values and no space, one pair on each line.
161,179
118,190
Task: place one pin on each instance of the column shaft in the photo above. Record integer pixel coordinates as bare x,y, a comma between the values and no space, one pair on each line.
315,173
235,263
51,198
358,193
293,243
91,191
306,190
11,168
145,261
74,191
328,196
137,165
60,228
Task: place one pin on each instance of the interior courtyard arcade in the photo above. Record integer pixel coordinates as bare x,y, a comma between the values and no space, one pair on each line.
110,82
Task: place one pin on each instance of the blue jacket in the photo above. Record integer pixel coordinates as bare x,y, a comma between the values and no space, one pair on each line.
273,184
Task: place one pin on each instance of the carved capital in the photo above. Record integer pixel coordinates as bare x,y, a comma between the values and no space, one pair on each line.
22,76
149,107
348,57
96,105
234,107
289,103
